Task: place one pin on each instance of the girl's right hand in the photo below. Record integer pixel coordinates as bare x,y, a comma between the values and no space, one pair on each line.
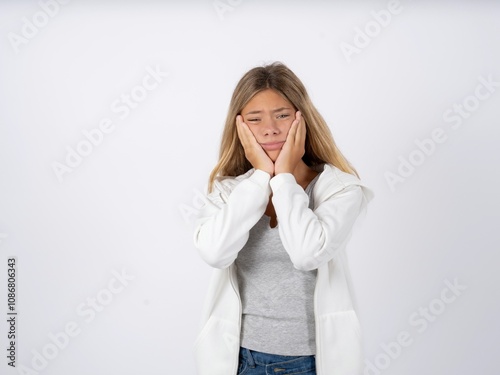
254,152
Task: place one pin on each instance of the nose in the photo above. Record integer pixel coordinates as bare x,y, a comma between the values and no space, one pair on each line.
271,127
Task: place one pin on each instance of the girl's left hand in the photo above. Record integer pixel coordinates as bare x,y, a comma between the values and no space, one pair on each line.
294,147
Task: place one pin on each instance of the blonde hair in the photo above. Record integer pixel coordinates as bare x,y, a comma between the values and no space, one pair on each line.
320,146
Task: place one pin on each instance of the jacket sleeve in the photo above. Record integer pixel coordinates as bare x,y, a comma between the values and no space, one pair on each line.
312,238
223,222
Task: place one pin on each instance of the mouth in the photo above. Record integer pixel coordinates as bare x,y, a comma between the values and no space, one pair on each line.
271,146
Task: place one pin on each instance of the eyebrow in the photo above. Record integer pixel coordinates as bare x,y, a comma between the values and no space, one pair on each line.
273,111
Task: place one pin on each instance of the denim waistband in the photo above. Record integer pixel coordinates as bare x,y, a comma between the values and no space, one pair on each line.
254,357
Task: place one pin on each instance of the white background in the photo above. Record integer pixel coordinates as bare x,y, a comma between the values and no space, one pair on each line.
126,205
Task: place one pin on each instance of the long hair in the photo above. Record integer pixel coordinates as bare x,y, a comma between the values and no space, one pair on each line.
320,146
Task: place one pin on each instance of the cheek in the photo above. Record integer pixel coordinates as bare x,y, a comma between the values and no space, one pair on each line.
286,127
254,130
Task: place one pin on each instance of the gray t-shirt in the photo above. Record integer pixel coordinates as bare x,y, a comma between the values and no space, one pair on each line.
277,298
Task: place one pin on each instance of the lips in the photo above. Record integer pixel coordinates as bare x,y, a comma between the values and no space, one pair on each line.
271,146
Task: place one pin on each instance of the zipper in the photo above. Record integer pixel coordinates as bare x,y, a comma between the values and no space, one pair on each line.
230,270
316,324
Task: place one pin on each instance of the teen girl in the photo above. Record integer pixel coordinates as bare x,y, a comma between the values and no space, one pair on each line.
280,211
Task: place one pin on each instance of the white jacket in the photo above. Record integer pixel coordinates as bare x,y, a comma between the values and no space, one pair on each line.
314,239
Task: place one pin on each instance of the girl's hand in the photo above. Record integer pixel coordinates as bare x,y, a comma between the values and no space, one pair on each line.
294,147
254,152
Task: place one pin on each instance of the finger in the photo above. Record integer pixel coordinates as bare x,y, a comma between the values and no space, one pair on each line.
301,131
240,127
246,136
292,133
298,128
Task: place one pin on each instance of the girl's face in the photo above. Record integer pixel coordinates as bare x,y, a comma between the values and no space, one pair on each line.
269,117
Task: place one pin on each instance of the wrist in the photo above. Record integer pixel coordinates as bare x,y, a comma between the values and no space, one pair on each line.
283,169
277,172
280,179
261,178
271,174
268,169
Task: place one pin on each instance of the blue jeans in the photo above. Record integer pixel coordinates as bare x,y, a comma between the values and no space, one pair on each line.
258,363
